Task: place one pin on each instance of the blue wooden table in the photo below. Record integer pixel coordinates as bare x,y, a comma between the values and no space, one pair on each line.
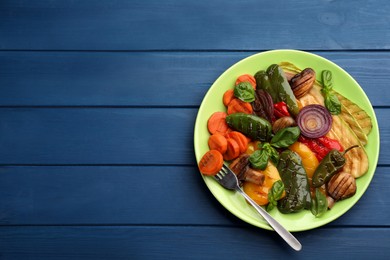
98,101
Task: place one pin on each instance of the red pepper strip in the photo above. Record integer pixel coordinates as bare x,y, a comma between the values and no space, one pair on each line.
280,109
317,148
330,143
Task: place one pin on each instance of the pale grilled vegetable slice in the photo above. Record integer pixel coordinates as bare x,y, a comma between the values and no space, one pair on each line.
352,122
361,117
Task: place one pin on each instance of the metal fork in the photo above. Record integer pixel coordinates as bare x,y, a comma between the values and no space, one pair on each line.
228,179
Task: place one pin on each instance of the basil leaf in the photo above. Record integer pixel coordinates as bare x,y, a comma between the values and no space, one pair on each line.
332,103
259,159
285,137
273,155
319,204
277,189
275,194
271,151
244,91
327,80
271,205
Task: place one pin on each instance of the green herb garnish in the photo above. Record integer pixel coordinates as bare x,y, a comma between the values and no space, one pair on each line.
332,103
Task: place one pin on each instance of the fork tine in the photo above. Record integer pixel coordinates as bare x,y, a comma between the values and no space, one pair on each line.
224,167
222,173
218,176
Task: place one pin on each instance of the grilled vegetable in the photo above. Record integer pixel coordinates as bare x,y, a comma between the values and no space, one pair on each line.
359,115
281,109
263,82
217,123
211,163
279,82
302,82
309,160
354,125
259,193
240,167
283,122
295,181
341,186
329,166
263,106
314,121
238,106
252,126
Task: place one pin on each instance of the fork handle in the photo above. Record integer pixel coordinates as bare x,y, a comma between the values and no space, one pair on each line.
284,233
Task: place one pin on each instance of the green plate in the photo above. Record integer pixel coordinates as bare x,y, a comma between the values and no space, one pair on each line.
212,102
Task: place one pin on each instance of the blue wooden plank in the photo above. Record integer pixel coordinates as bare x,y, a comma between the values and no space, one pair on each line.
148,78
139,195
110,136
203,25
96,136
188,243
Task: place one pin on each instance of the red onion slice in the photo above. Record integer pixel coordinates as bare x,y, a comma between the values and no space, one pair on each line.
314,121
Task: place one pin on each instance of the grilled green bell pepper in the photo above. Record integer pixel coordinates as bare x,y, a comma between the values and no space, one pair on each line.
263,82
329,166
280,84
254,127
295,181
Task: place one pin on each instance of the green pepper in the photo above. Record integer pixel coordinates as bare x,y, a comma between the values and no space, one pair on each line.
296,183
329,166
254,127
280,84
263,82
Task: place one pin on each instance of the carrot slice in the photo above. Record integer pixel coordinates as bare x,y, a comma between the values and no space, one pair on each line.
211,163
247,77
240,138
228,96
233,150
218,142
217,123
239,106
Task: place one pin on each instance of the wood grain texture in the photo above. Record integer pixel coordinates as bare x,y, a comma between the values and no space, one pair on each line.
188,243
146,136
141,195
98,101
148,78
97,136
189,25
